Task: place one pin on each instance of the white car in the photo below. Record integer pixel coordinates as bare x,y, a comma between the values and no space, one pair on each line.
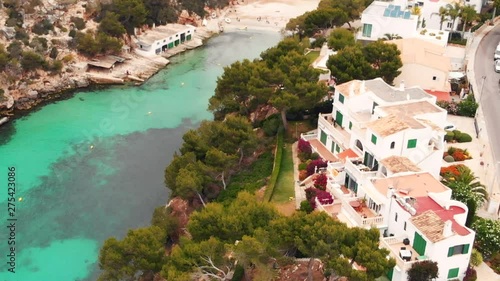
497,66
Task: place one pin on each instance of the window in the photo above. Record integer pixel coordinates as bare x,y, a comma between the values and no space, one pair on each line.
373,107
434,78
350,125
404,226
419,244
367,30
170,38
453,273
164,40
176,35
458,250
449,24
341,98
396,217
374,139
393,144
412,143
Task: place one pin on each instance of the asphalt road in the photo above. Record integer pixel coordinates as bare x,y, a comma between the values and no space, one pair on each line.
489,99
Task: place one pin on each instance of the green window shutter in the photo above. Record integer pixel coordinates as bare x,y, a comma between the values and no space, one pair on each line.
453,273
337,149
412,143
465,250
323,137
341,98
350,125
450,251
374,139
419,244
339,118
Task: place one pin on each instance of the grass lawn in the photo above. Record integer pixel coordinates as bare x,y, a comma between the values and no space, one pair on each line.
312,56
285,187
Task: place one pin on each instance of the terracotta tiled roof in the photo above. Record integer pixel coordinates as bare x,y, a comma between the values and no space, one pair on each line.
399,164
430,224
388,125
426,203
349,153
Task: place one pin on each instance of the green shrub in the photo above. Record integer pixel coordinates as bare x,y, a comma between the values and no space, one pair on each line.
456,133
451,150
302,166
464,137
43,27
305,206
449,158
53,53
276,167
32,61
495,263
487,236
79,22
449,136
72,33
476,258
239,272
467,107
270,126
314,156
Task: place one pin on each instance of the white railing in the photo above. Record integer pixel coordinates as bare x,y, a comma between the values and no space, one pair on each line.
386,242
334,189
332,129
356,172
309,136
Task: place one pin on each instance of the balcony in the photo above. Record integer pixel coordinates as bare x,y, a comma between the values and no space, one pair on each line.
340,135
312,135
358,170
394,245
361,215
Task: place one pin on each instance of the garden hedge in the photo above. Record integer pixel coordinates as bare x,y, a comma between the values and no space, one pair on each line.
276,167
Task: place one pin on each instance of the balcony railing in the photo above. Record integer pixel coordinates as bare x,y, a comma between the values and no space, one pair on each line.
358,170
340,135
358,219
309,136
390,243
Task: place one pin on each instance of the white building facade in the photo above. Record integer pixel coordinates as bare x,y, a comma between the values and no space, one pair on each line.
384,146
161,38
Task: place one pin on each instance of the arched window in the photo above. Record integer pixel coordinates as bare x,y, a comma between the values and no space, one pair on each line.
359,145
393,144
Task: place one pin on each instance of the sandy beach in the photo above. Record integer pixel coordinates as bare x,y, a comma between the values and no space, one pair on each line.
265,15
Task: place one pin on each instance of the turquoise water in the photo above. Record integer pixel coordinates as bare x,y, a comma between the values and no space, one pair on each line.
92,166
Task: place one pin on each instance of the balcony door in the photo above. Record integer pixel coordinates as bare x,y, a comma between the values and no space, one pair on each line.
339,118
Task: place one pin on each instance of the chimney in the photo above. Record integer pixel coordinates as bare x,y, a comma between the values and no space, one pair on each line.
402,85
390,191
447,232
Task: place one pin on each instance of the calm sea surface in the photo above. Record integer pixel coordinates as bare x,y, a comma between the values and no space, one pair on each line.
92,166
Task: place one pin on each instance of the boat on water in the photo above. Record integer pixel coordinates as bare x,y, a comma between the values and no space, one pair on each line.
4,120
227,20
214,15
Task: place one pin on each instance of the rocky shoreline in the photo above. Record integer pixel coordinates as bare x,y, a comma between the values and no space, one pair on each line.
135,70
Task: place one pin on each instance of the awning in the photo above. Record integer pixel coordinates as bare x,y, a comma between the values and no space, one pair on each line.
372,193
455,75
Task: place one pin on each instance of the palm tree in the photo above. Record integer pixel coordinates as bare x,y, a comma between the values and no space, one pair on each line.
443,15
453,12
466,186
468,14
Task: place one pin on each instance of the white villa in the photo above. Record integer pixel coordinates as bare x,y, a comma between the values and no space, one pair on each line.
396,18
161,38
384,148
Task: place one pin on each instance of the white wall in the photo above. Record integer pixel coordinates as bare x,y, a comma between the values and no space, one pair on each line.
382,25
421,75
430,12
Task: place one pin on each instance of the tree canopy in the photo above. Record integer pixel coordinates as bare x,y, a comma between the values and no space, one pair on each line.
340,38
423,271
283,79
209,154
376,59
140,252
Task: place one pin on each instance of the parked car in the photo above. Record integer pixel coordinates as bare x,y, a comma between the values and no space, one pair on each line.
497,52
450,127
497,66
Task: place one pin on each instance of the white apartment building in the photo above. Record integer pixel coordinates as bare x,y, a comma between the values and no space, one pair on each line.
384,147
161,38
